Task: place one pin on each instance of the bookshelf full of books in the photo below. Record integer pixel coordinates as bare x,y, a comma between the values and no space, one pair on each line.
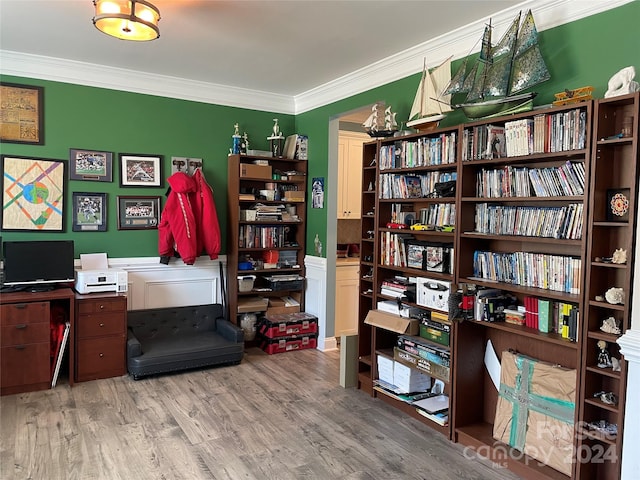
266,199
407,257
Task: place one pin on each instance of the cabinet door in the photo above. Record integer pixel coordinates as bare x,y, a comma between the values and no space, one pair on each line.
346,300
349,176
342,177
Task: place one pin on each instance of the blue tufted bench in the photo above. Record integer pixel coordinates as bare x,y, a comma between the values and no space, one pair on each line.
163,340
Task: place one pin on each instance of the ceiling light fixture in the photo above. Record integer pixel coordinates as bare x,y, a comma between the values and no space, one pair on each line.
127,19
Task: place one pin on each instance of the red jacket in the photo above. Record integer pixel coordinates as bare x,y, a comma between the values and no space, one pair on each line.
204,210
177,230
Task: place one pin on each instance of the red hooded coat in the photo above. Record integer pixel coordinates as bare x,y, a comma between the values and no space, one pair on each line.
204,210
178,229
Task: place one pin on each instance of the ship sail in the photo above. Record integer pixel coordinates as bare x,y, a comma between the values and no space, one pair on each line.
501,72
431,103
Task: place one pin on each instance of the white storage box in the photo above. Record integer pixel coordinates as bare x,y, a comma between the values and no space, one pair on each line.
385,369
409,379
245,282
390,306
433,293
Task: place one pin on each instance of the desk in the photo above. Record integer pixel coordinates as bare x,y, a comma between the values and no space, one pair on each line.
25,319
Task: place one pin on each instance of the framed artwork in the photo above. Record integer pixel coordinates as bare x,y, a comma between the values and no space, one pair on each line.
618,205
21,114
138,170
89,212
90,165
138,212
33,192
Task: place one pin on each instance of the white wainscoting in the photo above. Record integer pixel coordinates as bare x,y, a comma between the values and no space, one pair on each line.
630,348
152,284
315,300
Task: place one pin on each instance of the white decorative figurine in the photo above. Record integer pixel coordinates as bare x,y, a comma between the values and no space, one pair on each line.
622,83
610,325
614,296
619,256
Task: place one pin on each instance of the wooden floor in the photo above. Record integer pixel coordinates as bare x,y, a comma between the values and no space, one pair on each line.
271,417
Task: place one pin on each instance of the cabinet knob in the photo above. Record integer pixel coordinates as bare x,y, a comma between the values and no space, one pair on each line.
101,325
101,355
101,307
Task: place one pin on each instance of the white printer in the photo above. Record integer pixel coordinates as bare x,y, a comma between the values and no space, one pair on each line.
106,280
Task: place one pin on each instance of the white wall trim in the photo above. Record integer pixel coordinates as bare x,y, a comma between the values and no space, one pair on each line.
630,348
315,299
459,43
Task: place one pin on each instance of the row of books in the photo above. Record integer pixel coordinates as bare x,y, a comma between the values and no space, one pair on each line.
393,249
548,222
437,150
412,186
257,236
438,215
565,180
545,133
539,270
549,316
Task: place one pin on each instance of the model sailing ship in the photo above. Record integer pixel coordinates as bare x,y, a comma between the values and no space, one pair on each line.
381,122
431,103
501,72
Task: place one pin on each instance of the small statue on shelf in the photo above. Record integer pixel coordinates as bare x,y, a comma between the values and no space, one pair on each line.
608,398
604,357
619,256
602,426
615,364
235,148
244,144
276,140
610,325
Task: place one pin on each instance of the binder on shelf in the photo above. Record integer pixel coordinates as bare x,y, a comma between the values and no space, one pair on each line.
59,353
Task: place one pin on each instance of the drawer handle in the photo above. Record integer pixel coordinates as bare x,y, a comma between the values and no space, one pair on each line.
22,326
21,305
20,347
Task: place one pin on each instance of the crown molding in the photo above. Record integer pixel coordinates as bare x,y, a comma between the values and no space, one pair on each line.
458,43
93,75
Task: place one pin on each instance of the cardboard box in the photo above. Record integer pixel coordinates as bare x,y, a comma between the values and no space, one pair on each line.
248,215
433,293
395,323
409,379
255,171
252,304
535,409
294,196
433,331
288,304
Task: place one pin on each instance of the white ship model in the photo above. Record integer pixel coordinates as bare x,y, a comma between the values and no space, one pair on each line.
381,122
431,103
502,71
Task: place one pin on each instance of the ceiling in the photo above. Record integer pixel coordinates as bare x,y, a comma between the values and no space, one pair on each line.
282,47
277,51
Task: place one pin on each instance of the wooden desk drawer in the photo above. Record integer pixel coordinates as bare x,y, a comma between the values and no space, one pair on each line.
100,358
102,305
23,313
25,365
100,324
25,333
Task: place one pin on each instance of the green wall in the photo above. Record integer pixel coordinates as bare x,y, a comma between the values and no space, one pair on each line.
122,122
585,52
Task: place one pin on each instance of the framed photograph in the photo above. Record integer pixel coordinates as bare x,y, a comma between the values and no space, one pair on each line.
618,205
138,170
89,212
90,165
21,114
138,213
33,191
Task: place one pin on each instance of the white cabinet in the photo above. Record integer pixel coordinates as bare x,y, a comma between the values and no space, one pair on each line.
350,174
346,300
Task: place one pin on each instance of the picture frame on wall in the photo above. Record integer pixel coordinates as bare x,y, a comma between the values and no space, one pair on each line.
89,212
90,165
140,170
138,212
33,193
21,114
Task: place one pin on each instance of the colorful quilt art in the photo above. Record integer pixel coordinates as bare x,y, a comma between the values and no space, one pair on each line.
32,194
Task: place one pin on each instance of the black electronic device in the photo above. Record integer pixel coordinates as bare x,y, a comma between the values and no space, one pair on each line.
39,265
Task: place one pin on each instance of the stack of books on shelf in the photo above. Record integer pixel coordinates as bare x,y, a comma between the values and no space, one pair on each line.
398,287
393,249
435,408
257,236
435,150
438,214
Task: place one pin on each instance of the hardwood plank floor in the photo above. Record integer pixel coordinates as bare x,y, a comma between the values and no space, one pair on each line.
271,417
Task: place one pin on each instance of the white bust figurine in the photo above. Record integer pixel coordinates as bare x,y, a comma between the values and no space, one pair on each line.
622,83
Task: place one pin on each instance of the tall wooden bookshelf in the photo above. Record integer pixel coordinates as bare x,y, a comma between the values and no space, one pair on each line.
612,225
544,199
280,185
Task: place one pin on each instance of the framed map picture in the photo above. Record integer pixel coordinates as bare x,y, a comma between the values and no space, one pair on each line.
21,114
32,193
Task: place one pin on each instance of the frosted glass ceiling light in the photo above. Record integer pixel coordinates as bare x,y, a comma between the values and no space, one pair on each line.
127,19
